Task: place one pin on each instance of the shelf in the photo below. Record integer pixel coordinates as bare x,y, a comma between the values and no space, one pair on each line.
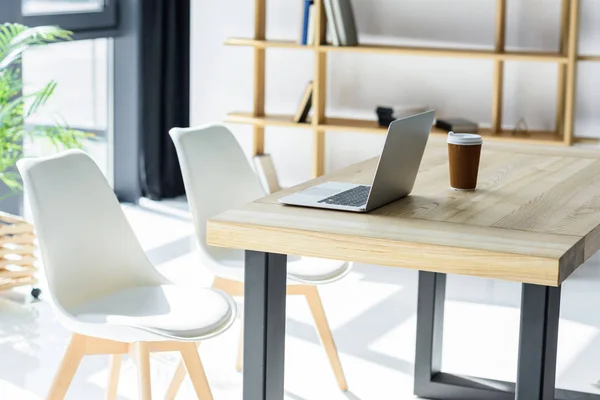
405,50
588,58
263,44
286,121
442,52
368,126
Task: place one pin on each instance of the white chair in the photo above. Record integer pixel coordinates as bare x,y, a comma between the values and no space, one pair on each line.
217,177
267,175
102,285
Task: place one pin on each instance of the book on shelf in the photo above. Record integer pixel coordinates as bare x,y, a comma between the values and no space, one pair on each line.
331,23
343,22
311,25
305,104
305,21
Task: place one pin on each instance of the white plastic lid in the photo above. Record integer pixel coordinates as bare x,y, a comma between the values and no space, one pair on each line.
464,139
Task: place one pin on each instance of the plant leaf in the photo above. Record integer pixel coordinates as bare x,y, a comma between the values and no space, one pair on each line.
40,98
17,38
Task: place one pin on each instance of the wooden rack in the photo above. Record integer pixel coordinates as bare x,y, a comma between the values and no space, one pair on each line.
566,58
17,253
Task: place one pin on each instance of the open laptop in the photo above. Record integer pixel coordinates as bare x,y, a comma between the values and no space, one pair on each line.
394,177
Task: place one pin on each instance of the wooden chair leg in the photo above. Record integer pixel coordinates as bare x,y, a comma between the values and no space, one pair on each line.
68,367
141,355
113,376
316,308
176,381
239,363
193,364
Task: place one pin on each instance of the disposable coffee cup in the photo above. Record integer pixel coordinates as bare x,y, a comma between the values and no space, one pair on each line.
464,151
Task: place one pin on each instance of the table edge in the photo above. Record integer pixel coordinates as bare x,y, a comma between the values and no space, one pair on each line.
523,268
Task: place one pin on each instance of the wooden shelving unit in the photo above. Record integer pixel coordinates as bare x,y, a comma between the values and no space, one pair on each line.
17,253
566,59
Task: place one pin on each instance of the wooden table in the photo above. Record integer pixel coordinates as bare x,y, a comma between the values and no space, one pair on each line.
534,219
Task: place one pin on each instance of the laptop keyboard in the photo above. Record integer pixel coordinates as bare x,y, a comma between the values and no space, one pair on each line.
354,197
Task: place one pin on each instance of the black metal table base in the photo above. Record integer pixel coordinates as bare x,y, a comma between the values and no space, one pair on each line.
540,306
264,340
264,325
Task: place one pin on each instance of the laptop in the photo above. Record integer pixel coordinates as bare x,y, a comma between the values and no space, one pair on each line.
394,177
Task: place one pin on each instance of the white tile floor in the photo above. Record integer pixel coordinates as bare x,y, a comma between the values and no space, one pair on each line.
372,314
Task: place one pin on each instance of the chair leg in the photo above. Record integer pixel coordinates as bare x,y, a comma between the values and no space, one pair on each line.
113,376
68,367
193,364
141,353
316,308
239,363
176,381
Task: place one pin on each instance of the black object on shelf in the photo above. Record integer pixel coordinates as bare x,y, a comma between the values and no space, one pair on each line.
385,121
459,125
386,115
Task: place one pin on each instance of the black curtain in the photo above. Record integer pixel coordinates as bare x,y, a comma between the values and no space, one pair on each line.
165,69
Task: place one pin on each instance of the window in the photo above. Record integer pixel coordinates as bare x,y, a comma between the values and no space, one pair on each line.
81,72
86,71
80,69
36,7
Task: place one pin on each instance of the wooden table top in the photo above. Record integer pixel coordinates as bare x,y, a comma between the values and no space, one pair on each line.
534,218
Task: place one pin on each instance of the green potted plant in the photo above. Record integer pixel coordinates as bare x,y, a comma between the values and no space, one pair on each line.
16,106
17,240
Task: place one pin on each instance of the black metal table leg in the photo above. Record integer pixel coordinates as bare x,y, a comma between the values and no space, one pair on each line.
264,325
537,350
430,329
430,381
540,307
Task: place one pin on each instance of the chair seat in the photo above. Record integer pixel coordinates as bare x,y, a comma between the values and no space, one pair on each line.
229,263
171,311
316,270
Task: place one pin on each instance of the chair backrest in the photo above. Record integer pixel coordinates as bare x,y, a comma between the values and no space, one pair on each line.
216,174
267,175
87,245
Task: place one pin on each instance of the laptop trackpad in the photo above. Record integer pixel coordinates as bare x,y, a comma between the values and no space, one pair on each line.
320,192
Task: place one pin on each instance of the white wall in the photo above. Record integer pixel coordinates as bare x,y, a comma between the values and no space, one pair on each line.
222,75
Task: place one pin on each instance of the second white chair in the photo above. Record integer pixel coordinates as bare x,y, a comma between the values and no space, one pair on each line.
217,177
